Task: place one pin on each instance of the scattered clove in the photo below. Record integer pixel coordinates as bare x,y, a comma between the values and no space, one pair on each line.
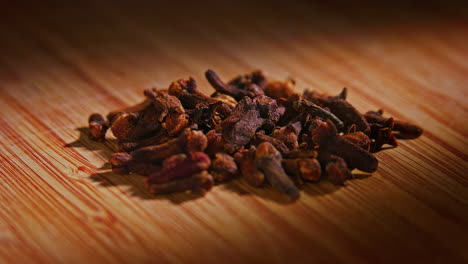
134,108
215,143
250,85
180,166
289,134
124,125
329,142
404,130
183,140
306,169
260,137
381,134
98,126
337,170
160,137
241,125
312,109
223,167
268,160
186,91
123,163
340,108
246,160
360,139
189,141
278,89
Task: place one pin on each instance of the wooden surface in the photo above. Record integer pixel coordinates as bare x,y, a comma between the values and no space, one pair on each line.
60,204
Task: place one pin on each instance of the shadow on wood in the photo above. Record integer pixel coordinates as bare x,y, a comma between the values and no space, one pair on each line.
85,142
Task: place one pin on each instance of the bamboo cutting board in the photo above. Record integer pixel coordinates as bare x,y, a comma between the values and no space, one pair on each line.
61,204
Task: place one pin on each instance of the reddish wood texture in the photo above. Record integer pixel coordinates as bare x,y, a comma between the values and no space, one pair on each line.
60,204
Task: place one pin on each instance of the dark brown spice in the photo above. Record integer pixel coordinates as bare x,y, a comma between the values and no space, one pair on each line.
134,108
187,142
98,126
186,91
124,125
268,160
241,125
250,85
323,99
168,111
160,137
278,89
260,137
330,143
180,166
250,126
360,139
306,169
215,142
340,108
312,109
405,130
289,134
223,167
124,163
337,170
382,134
246,160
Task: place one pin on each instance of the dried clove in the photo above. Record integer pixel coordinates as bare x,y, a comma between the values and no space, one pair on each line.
226,99
360,139
250,85
160,137
187,142
381,134
223,167
240,126
180,166
260,137
405,130
330,143
168,111
278,89
289,134
134,108
323,99
340,108
124,125
306,169
312,109
251,126
303,152
123,163
349,115
268,160
207,117
246,160
337,170
215,142
186,91
98,126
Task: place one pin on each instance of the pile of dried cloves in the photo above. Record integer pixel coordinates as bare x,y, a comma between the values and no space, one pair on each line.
184,140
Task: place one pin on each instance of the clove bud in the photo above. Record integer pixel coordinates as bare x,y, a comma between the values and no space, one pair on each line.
98,126
268,160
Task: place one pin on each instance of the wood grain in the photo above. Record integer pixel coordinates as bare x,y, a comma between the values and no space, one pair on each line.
60,204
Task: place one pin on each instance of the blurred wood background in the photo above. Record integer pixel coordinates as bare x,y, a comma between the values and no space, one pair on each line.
59,63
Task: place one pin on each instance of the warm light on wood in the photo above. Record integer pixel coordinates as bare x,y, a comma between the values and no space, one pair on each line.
61,204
